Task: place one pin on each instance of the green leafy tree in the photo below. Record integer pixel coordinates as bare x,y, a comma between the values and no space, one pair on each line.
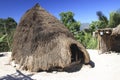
7,28
85,37
102,20
102,17
93,26
114,19
68,20
2,38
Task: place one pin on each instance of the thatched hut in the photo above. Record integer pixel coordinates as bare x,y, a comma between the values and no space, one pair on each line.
42,42
109,39
115,39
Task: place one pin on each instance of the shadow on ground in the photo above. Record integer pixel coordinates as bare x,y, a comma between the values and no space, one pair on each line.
17,76
74,67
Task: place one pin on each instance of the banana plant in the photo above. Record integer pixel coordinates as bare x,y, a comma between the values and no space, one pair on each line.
2,38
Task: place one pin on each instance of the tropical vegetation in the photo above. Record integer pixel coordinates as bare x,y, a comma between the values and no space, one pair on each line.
85,36
7,28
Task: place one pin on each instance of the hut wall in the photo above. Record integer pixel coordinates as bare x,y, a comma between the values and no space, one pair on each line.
105,43
115,43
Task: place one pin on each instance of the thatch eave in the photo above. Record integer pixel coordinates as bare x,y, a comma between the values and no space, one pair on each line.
116,31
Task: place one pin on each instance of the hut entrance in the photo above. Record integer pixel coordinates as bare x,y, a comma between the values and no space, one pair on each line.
76,53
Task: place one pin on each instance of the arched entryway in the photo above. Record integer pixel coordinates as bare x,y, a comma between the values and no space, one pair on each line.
76,53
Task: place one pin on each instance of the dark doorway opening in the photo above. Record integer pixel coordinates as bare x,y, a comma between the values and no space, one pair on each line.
76,53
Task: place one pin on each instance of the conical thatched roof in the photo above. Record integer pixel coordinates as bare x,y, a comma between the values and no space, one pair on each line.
42,42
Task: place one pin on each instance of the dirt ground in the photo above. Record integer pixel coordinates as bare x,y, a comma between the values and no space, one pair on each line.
107,67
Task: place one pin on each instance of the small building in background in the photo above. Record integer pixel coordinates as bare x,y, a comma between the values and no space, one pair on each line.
108,39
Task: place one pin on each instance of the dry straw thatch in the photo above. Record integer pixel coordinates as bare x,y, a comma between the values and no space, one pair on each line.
116,31
115,39
109,39
42,42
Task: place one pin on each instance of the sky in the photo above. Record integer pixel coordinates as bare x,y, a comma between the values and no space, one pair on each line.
84,10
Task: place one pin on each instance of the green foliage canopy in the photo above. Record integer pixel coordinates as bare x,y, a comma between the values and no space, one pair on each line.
7,28
114,19
67,18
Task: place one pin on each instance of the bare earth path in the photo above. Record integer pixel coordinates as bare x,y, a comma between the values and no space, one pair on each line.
107,67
